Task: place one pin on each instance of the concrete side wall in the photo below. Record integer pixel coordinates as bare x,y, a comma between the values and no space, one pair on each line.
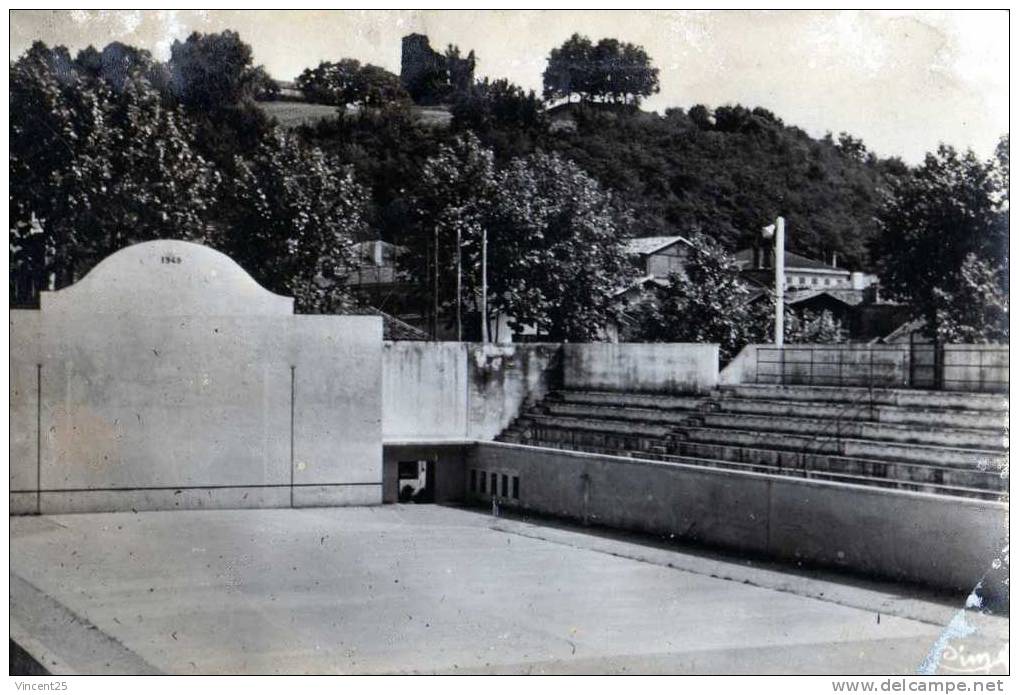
742,369
976,368
652,367
885,365
424,391
966,367
503,380
460,391
24,426
152,412
903,536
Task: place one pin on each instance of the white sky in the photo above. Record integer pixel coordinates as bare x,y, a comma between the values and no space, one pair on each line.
902,81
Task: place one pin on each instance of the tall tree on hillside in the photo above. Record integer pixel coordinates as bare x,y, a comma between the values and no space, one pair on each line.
706,303
210,71
291,216
944,236
610,71
569,70
556,249
500,111
93,170
348,82
452,204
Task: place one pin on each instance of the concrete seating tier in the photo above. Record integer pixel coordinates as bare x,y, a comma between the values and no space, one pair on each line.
853,394
936,442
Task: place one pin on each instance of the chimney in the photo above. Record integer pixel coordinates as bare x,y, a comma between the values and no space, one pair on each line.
834,259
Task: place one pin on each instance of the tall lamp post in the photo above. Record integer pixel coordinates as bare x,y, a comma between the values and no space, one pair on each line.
777,231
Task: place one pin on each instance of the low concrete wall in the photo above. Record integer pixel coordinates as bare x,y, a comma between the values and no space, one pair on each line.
976,368
649,367
460,391
904,536
119,403
742,369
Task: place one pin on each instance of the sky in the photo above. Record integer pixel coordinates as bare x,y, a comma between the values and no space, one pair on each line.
902,81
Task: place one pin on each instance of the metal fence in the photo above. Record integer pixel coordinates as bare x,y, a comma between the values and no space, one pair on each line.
917,365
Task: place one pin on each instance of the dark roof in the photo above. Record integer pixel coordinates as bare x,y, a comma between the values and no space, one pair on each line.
651,244
848,297
792,260
392,327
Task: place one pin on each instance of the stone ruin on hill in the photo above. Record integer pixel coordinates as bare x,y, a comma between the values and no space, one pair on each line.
431,77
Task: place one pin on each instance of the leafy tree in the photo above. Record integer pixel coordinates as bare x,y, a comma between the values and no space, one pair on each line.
210,71
452,204
706,303
376,87
291,217
977,310
808,327
943,239
852,147
498,105
387,147
610,71
681,172
555,249
329,83
569,70
118,64
702,117
93,170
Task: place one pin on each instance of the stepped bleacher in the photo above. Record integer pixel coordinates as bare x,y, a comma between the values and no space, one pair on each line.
946,443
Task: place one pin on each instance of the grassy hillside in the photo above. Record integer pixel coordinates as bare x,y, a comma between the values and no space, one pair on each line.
293,114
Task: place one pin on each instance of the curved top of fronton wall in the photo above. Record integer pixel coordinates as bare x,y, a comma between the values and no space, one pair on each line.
167,278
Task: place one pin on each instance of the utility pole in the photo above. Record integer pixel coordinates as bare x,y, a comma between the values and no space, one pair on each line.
777,231
459,284
484,285
435,287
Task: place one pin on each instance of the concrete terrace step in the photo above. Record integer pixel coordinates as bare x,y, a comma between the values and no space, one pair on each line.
814,474
863,448
982,479
916,486
620,412
858,429
897,397
890,414
587,425
632,400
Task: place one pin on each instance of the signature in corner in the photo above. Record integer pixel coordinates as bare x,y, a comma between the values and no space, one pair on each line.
955,659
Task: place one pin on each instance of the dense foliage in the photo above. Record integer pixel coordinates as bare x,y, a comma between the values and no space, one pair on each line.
706,303
290,215
728,175
105,153
348,82
95,165
112,147
943,246
553,240
609,71
710,303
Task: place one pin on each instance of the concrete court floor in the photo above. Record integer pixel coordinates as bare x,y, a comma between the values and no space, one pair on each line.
430,589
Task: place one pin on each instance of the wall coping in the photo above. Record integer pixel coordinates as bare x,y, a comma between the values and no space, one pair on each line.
768,477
